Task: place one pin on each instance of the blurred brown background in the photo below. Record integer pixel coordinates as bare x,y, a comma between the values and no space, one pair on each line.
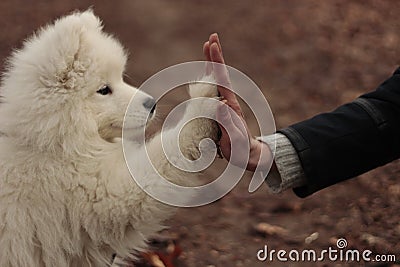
308,57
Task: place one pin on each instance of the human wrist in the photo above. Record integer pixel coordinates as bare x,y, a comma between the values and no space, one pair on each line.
259,157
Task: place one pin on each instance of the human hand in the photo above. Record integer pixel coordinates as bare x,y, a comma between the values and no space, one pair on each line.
231,119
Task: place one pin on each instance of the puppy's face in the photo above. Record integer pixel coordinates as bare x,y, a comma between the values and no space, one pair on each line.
65,86
107,95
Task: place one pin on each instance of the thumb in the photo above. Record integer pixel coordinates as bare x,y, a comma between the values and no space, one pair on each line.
225,120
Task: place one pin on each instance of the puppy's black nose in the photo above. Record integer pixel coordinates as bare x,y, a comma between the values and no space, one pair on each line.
150,103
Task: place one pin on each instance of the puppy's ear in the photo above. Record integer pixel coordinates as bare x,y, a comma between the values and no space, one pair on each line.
54,50
88,19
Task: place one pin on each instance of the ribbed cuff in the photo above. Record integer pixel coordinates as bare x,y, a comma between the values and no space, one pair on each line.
290,173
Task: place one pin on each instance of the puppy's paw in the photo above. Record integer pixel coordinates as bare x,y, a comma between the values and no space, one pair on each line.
204,111
204,88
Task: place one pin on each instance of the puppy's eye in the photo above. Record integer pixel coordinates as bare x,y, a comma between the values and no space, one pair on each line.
104,90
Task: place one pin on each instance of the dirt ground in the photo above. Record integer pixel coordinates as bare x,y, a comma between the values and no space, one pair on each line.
308,57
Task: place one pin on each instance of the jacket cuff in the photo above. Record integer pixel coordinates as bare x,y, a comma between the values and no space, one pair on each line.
290,173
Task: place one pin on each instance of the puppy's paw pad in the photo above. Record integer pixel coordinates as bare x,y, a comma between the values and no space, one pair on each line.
205,87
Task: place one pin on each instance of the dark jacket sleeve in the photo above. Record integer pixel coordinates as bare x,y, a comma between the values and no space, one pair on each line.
353,139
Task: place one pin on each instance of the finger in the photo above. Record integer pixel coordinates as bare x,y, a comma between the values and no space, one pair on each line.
222,78
216,53
230,134
224,119
221,72
239,122
206,52
215,39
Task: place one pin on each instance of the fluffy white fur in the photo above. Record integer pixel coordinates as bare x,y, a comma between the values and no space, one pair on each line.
66,196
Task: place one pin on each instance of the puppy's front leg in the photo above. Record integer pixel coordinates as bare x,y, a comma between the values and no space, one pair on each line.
196,124
199,118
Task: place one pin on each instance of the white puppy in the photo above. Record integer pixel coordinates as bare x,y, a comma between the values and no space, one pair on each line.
66,195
